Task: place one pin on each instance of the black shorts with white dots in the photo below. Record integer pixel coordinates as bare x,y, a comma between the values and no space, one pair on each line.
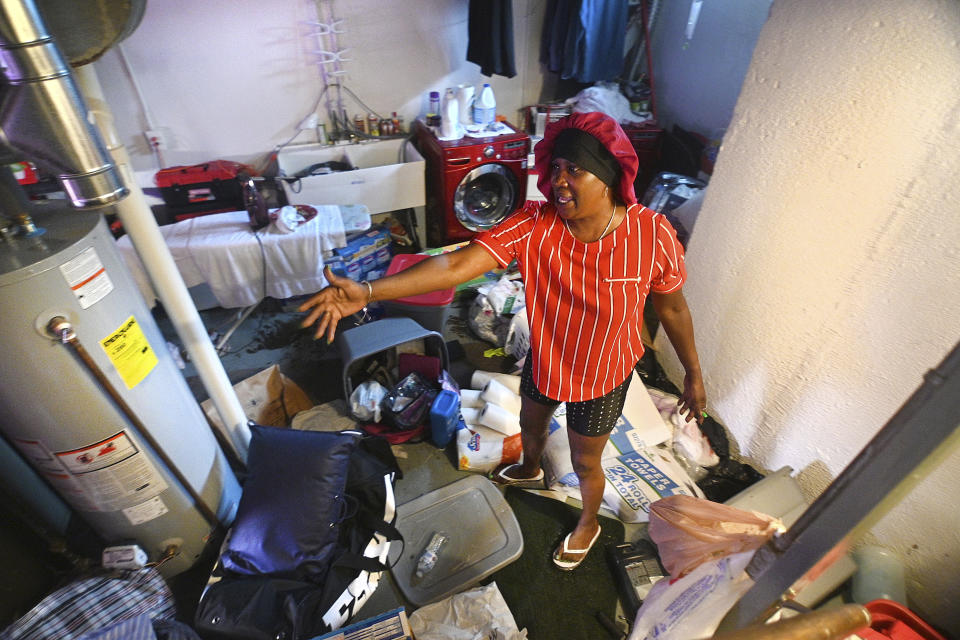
595,417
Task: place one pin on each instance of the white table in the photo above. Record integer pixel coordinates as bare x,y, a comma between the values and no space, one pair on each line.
242,267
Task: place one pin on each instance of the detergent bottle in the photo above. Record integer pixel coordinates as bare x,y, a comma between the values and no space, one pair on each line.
485,107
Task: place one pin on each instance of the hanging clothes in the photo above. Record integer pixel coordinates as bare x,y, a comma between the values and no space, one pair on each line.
584,39
490,37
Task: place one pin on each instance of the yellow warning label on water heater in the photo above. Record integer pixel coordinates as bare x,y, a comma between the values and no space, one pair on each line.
130,352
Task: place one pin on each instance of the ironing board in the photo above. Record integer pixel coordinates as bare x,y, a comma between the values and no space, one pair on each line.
242,267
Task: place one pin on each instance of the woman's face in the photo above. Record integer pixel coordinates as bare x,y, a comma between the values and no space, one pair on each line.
577,193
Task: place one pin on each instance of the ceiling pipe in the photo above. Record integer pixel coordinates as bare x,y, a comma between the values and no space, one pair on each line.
43,117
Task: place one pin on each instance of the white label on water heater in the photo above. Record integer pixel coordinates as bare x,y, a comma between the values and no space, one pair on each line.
145,511
113,473
87,278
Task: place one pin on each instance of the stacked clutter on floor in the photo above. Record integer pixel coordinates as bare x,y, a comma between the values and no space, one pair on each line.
489,432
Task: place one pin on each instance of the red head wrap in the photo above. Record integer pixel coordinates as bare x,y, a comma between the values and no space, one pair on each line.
603,128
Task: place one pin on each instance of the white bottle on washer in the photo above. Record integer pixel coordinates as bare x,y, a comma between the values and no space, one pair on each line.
450,116
485,107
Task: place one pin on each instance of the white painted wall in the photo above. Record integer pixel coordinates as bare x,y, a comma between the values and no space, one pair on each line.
232,79
825,265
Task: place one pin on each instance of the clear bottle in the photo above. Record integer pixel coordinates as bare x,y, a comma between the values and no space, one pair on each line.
485,106
428,558
434,104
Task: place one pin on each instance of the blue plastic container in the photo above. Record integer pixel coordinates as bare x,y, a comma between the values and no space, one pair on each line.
444,417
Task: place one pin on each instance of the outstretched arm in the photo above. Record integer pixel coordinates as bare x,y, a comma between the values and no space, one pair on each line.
675,317
344,296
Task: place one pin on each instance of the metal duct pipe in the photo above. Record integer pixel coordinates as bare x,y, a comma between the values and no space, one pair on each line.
43,116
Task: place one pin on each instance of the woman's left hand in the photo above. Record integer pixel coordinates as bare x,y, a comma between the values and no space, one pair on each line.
693,401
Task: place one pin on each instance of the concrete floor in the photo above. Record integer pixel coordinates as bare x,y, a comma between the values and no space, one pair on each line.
271,335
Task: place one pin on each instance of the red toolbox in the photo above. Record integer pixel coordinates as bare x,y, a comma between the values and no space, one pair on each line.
203,188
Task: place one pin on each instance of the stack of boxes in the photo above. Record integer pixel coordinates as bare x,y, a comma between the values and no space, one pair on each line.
366,256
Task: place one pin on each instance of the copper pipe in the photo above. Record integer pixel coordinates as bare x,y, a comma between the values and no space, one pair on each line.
831,624
61,328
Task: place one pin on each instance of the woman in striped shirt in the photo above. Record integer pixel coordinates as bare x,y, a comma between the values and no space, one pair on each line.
589,257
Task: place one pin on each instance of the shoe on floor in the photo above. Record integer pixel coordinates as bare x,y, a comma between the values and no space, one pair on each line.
563,549
499,475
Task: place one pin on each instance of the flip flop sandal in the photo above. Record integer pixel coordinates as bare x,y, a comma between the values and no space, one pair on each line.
570,565
500,477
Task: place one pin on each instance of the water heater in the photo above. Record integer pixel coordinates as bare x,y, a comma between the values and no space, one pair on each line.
142,465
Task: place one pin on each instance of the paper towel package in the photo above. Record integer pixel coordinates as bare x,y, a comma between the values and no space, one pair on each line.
638,471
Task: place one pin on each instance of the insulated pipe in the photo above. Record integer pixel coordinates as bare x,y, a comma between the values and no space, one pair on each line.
43,116
139,223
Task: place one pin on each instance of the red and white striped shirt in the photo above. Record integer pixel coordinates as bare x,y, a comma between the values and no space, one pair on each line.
585,300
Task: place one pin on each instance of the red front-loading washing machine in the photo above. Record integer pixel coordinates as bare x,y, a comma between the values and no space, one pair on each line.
471,183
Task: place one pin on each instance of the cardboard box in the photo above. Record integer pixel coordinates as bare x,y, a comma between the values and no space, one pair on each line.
380,181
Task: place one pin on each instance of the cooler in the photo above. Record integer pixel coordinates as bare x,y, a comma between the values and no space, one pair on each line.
430,310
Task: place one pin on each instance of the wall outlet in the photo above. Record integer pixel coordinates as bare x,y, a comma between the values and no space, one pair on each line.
158,139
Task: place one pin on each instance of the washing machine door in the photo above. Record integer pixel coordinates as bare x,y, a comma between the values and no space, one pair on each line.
485,196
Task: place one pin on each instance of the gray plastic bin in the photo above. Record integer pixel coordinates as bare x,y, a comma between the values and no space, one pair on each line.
483,536
358,343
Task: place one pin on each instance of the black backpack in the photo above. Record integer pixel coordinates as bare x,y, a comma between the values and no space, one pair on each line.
272,608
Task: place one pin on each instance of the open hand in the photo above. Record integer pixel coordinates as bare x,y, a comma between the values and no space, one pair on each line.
341,298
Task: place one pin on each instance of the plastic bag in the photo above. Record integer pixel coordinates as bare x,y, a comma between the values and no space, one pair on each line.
605,97
518,335
478,613
690,445
505,295
693,606
407,405
486,322
689,531
365,400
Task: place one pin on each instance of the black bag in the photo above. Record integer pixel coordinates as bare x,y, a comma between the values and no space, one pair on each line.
407,405
268,607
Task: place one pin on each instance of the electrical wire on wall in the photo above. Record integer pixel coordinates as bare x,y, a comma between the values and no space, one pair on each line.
152,144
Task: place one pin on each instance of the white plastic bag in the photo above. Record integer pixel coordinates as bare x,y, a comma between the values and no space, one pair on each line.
476,614
518,335
691,446
605,97
505,295
365,400
693,606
